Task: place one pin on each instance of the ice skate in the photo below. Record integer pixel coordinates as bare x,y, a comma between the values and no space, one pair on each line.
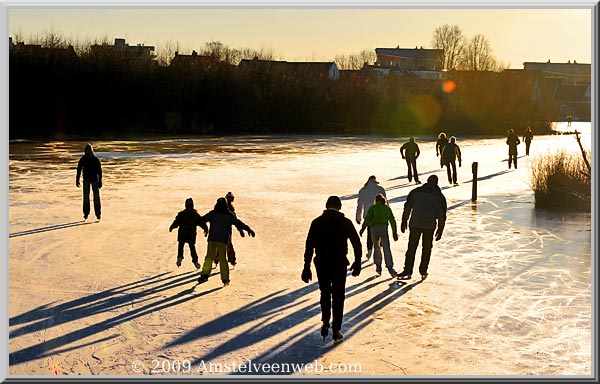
337,336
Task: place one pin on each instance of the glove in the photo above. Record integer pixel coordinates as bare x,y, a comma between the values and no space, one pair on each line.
358,221
242,234
170,229
205,232
361,231
460,164
437,154
438,234
355,268
395,235
99,184
77,184
306,274
403,226
251,233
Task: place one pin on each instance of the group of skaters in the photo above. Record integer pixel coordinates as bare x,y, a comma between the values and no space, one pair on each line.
220,247
449,153
424,216
446,149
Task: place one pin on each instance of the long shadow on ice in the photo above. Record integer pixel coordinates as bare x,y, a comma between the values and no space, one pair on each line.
48,316
50,228
306,345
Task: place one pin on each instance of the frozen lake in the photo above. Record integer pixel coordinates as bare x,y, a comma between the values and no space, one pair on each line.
509,289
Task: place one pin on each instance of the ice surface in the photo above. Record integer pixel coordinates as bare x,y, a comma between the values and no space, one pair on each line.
509,289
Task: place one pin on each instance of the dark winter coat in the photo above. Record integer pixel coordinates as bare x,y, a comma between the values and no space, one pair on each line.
512,141
439,145
90,165
451,153
220,225
187,221
410,150
425,206
328,236
528,136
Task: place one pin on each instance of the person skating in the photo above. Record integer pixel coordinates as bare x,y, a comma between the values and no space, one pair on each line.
187,221
89,164
366,198
439,147
450,154
328,238
424,210
230,250
527,138
512,141
221,219
378,217
410,151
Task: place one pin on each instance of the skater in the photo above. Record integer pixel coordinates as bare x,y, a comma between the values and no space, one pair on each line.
527,137
439,147
89,164
512,141
328,237
230,250
425,207
366,198
410,151
378,217
569,120
450,154
219,233
187,221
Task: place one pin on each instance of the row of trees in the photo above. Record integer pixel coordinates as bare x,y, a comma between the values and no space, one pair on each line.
57,95
460,52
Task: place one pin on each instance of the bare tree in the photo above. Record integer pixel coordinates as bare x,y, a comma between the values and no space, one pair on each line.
356,60
478,56
166,52
450,39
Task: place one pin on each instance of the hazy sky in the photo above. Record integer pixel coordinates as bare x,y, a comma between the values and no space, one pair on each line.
516,35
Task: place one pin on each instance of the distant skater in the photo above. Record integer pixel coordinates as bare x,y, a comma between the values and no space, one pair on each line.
569,120
512,141
410,151
187,221
221,219
328,238
527,137
366,198
439,147
230,250
378,217
450,154
89,164
424,210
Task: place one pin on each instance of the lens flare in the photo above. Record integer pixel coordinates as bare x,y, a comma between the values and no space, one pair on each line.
449,86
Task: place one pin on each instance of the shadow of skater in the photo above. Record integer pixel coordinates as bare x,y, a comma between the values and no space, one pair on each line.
116,298
265,314
305,347
49,228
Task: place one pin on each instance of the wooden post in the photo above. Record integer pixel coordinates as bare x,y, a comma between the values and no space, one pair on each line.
474,191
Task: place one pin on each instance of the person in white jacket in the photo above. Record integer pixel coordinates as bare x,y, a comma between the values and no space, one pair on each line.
366,198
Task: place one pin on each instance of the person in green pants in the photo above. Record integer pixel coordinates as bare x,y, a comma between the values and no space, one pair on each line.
221,219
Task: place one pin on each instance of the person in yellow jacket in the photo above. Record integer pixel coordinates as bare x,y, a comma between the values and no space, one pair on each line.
378,217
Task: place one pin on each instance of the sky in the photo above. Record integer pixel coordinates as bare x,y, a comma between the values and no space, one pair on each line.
515,35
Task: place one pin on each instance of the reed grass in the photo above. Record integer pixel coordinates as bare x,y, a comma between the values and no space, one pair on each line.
560,180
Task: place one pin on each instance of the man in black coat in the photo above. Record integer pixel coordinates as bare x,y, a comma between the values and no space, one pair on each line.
92,177
328,236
